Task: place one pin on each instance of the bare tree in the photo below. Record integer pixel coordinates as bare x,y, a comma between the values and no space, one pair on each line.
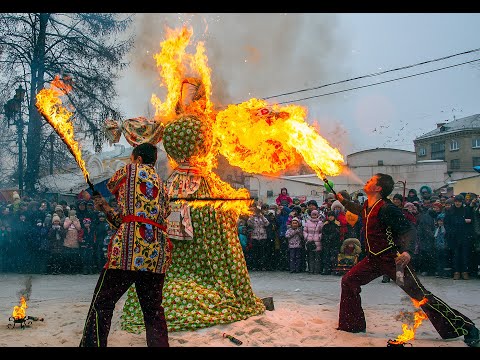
89,48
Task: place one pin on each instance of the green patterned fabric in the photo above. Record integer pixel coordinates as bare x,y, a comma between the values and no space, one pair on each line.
208,282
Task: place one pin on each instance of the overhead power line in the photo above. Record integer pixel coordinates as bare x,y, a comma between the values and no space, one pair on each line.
377,83
375,74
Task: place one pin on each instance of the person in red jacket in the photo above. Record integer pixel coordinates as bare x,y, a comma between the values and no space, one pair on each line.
387,235
283,196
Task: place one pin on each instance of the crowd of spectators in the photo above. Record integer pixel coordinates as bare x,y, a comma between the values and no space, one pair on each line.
45,237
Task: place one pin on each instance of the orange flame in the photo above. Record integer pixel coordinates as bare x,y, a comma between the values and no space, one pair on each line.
50,106
419,316
280,135
19,311
255,136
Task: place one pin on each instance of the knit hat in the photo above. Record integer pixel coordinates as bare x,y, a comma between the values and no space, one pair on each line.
441,216
314,212
459,197
449,201
72,213
59,208
55,218
101,214
312,202
398,197
87,221
296,219
437,204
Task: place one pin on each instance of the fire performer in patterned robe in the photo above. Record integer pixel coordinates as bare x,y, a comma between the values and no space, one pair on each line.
387,234
139,252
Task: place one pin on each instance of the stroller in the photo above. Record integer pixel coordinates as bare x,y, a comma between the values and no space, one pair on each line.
348,255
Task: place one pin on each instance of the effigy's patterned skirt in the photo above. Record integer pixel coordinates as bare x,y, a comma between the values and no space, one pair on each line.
208,282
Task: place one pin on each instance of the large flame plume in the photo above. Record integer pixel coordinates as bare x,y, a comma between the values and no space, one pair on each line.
254,135
49,104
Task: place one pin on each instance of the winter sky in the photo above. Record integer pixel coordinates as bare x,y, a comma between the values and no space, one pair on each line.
264,55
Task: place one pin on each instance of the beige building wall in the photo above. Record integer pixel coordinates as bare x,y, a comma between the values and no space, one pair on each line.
471,184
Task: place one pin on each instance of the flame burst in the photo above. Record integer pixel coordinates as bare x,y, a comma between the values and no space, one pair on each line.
50,106
255,136
418,317
279,135
19,311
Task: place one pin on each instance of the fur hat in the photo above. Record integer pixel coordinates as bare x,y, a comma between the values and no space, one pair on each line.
337,205
410,207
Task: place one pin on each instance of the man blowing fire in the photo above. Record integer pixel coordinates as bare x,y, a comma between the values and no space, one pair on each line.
387,235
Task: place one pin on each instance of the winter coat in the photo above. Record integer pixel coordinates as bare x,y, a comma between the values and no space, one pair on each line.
457,229
331,234
294,237
258,224
312,231
72,228
282,219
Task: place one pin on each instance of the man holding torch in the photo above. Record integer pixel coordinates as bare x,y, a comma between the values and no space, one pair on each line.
138,253
387,235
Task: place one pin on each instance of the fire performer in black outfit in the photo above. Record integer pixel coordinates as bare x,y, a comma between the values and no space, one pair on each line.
387,235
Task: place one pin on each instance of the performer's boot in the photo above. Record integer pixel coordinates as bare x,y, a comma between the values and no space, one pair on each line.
472,339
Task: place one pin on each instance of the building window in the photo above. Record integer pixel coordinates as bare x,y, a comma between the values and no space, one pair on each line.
476,143
454,145
380,162
422,151
438,151
476,161
455,164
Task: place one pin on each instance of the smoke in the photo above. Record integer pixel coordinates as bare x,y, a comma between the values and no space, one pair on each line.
26,290
251,55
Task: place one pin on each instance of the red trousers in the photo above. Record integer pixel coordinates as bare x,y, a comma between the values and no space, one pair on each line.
111,285
448,322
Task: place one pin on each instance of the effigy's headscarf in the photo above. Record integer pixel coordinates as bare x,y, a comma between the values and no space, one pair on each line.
136,130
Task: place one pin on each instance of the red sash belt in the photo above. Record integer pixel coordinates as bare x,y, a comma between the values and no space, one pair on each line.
132,218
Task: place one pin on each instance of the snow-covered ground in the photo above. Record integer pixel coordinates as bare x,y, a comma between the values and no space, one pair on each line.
305,314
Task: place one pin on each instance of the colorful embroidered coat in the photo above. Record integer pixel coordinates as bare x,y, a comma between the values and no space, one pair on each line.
138,245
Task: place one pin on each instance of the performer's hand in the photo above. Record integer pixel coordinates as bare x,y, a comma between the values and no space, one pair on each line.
403,259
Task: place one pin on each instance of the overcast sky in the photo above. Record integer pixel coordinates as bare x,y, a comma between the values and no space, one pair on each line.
264,55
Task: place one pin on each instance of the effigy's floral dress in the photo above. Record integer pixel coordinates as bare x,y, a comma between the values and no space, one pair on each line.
208,281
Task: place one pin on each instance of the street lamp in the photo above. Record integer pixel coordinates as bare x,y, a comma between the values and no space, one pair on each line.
13,113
